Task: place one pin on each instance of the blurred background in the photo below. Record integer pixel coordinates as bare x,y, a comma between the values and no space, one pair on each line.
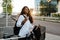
45,12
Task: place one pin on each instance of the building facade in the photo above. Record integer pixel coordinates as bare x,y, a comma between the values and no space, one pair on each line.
58,6
37,6
1,9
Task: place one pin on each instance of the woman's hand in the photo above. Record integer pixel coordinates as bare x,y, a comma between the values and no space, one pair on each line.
24,21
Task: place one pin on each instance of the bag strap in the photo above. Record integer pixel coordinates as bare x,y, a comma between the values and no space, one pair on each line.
23,22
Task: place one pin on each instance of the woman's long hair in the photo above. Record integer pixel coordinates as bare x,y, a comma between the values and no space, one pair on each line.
28,14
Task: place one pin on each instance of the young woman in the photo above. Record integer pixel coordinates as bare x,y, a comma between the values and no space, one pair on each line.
28,25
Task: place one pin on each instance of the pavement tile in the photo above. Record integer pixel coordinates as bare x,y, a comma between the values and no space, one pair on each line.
52,37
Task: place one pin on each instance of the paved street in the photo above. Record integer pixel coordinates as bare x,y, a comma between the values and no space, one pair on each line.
51,27
2,22
52,37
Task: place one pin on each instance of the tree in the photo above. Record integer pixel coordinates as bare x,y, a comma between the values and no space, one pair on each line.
42,7
7,6
47,8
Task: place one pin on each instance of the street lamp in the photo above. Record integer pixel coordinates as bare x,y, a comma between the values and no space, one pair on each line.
49,7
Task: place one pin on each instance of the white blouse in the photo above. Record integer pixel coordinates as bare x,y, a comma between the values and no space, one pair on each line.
26,28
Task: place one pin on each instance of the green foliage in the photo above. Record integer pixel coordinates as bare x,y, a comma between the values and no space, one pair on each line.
9,9
56,15
4,5
47,8
7,6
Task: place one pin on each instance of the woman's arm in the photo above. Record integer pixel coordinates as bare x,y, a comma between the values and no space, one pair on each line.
14,18
20,19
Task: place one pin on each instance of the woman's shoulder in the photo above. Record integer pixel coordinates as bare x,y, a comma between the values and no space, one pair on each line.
21,16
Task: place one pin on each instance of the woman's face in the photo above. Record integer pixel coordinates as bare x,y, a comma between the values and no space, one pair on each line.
26,10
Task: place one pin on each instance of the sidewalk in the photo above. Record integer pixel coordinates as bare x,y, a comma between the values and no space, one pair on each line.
1,15
49,19
52,37
48,37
